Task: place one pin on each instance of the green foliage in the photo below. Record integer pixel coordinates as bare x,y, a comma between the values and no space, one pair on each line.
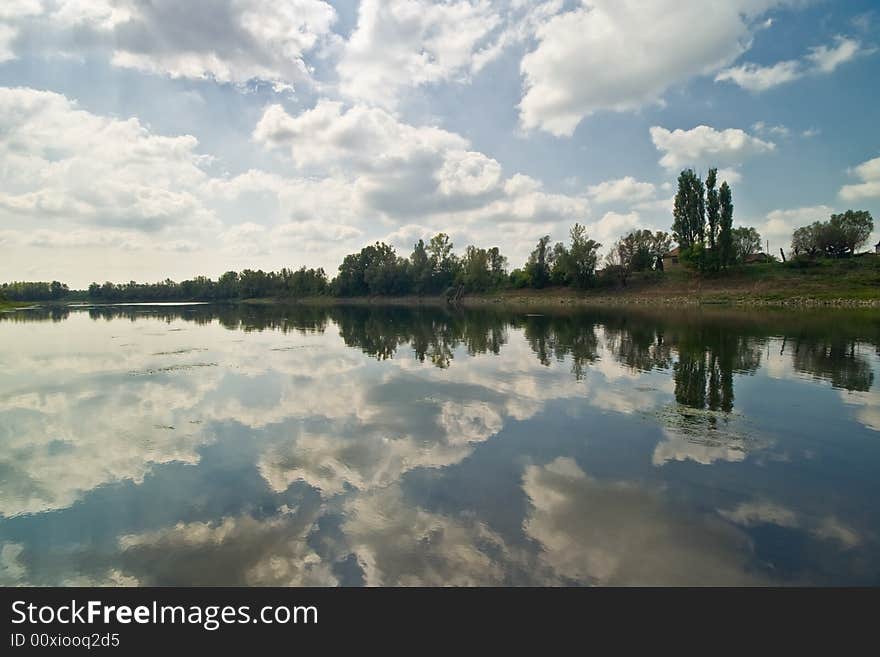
642,250
576,265
838,237
713,209
726,253
746,242
34,291
231,285
689,212
539,264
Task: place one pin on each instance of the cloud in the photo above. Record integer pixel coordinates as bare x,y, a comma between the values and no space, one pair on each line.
53,154
243,40
760,78
763,512
780,224
398,544
820,60
622,190
869,173
705,145
826,59
620,533
408,174
619,56
235,550
409,43
611,226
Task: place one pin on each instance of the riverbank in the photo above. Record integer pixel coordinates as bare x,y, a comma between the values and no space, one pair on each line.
853,282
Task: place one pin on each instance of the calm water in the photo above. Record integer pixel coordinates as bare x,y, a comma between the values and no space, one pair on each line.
196,445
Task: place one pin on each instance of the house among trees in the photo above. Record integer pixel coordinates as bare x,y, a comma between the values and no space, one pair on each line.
670,260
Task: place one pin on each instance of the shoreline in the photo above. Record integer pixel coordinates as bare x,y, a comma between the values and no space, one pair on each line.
555,298
510,299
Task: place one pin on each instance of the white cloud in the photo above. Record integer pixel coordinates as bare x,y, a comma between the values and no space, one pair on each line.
869,173
244,40
609,55
706,146
54,153
820,60
406,174
622,190
611,226
620,533
760,78
826,59
779,225
408,43
779,130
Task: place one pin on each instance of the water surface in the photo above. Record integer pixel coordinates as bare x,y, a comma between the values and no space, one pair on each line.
192,445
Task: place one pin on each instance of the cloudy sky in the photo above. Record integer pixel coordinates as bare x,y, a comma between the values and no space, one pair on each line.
141,139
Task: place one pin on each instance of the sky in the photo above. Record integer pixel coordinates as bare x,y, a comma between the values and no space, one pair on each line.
152,139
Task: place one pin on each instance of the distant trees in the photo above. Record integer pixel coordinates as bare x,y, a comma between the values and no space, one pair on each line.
703,221
575,265
539,263
482,269
231,285
839,237
746,242
725,236
641,250
34,291
689,211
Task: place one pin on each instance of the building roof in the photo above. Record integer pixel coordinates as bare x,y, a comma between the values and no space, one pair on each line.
674,253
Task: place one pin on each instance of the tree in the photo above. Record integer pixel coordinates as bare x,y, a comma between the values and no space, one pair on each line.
726,253
689,212
475,274
746,242
538,266
854,228
713,218
420,268
838,237
497,266
661,245
805,240
642,250
575,265
444,264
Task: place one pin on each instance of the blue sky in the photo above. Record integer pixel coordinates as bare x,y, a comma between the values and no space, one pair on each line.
144,139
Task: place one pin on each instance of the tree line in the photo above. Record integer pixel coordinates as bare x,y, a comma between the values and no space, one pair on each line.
702,227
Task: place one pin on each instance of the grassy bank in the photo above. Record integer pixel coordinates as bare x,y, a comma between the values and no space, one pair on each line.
853,282
12,305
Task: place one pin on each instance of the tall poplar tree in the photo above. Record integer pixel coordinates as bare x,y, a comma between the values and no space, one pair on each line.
725,236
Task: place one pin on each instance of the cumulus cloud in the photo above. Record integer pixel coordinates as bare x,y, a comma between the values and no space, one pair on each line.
869,173
820,60
607,55
704,145
611,226
621,533
404,43
408,174
244,40
623,190
63,162
779,224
